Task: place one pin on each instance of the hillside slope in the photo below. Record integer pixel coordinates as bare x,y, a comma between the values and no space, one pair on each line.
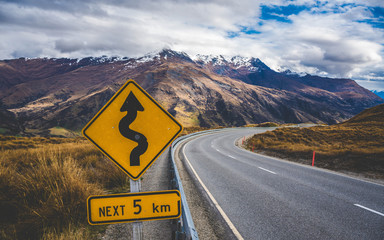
8,123
370,117
46,93
356,145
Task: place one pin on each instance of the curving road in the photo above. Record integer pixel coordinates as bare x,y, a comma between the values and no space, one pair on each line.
267,198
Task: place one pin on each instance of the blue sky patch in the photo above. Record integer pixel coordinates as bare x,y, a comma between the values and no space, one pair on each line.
280,13
249,31
378,17
233,34
377,12
246,30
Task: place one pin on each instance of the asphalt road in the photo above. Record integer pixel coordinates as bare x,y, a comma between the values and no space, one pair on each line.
268,198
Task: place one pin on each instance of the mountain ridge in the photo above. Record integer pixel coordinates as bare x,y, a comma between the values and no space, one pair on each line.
379,93
371,116
45,93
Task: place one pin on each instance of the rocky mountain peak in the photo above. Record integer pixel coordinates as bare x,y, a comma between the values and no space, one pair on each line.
206,90
164,55
167,53
221,62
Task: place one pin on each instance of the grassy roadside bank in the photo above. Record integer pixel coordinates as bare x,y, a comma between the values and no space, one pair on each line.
356,146
44,184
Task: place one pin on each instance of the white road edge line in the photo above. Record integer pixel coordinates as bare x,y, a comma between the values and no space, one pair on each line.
267,170
226,218
371,210
231,156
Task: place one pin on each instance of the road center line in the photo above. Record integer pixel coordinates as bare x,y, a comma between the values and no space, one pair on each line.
223,214
371,210
224,154
267,170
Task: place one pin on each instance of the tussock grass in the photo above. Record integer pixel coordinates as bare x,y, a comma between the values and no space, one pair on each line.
71,233
265,124
189,130
44,184
343,147
12,142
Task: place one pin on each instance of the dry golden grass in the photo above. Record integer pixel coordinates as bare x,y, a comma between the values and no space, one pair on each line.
265,124
343,147
189,130
44,184
11,142
71,233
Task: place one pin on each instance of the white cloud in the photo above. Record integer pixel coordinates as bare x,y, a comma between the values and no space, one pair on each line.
328,38
327,44
377,85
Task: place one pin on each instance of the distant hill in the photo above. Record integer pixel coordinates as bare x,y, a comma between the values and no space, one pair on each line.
205,91
355,146
372,116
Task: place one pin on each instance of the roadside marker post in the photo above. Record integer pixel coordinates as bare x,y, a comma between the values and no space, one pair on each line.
313,159
133,130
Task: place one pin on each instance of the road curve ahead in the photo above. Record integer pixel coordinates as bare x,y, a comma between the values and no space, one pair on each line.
267,198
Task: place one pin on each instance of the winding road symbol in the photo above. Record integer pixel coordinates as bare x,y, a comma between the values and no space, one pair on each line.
132,129
132,106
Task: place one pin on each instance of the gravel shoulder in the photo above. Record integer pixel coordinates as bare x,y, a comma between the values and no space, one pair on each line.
156,178
207,220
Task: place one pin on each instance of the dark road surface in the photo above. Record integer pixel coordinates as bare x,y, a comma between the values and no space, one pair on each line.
267,198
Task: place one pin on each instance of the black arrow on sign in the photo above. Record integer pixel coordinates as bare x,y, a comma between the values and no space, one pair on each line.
132,106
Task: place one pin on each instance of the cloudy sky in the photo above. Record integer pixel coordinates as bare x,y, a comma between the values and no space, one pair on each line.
340,38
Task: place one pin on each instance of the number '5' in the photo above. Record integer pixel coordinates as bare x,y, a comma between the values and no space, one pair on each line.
135,204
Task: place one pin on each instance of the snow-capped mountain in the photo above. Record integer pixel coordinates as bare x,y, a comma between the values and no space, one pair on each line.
203,90
251,64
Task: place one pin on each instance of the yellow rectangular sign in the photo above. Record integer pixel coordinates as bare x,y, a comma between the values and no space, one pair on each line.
141,206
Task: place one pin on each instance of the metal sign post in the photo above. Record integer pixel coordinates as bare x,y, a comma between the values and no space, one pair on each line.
133,130
137,227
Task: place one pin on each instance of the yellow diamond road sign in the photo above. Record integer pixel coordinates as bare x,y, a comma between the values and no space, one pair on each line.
132,129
